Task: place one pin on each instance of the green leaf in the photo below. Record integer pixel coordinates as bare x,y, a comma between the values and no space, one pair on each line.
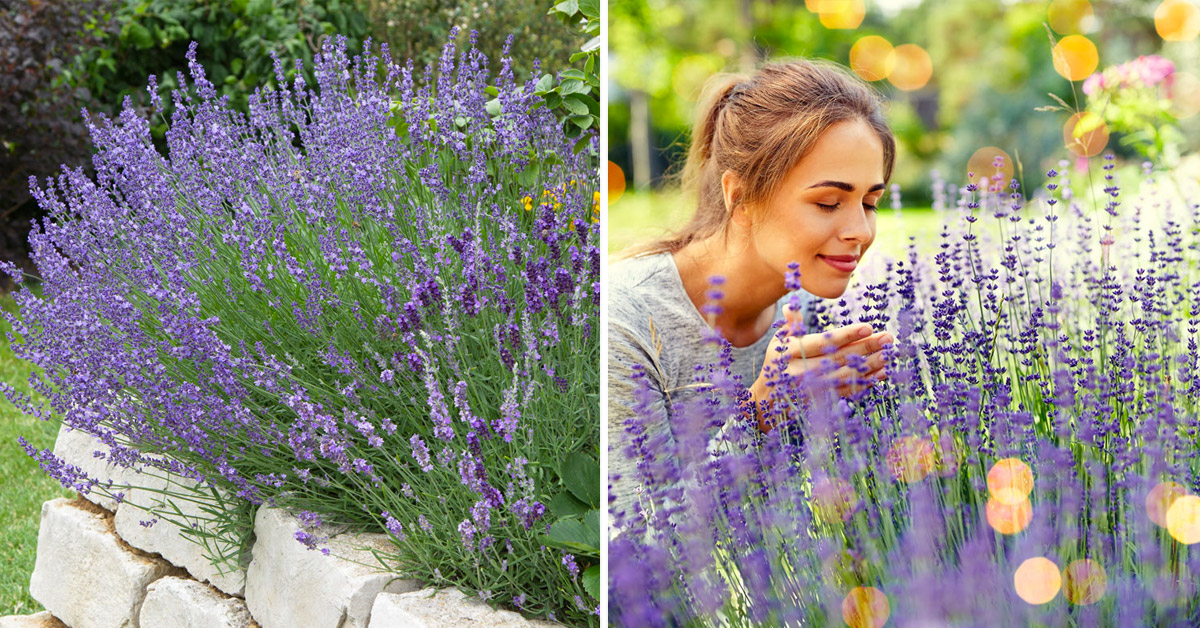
582,122
257,8
565,505
592,44
591,581
553,100
235,66
573,86
491,90
589,8
568,8
139,36
493,107
581,144
581,475
544,84
575,105
573,73
577,535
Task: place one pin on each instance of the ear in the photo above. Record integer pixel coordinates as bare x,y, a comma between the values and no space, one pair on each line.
731,189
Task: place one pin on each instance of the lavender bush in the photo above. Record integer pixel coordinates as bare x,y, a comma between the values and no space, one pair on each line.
371,304
1032,459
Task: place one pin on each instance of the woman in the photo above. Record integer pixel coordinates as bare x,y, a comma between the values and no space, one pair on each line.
787,167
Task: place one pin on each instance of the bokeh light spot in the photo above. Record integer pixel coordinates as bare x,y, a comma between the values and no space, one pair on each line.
1071,17
689,75
983,165
1084,582
616,182
1177,20
873,58
1085,134
913,68
833,499
1037,580
1183,520
841,14
1184,93
1075,57
1009,518
1159,501
866,607
910,459
1010,481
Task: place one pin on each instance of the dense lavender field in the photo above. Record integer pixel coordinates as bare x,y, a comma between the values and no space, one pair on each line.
1031,459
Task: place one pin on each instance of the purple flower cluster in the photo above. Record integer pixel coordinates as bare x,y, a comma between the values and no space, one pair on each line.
1031,459
333,295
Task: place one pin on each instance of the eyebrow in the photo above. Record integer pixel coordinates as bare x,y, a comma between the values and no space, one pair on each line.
842,185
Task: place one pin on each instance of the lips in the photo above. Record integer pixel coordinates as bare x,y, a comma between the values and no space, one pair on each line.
843,263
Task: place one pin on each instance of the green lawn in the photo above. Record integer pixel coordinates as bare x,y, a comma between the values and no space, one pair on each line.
636,217
23,487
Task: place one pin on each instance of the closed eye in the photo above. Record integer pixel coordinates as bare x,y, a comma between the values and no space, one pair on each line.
828,208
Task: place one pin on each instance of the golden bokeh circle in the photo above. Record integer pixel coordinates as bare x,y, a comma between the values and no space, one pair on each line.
1009,518
1075,57
1084,582
865,607
616,182
1183,520
1070,17
1177,20
1184,93
873,58
1085,134
1159,501
1010,481
913,68
1037,580
982,165
910,459
841,14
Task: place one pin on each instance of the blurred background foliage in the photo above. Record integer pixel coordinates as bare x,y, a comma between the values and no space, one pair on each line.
59,56
991,64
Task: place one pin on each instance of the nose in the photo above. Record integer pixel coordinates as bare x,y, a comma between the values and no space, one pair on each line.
859,227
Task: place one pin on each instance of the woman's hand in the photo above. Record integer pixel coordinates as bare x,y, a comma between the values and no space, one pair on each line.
807,352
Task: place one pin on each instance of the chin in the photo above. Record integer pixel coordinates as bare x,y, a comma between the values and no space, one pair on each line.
827,290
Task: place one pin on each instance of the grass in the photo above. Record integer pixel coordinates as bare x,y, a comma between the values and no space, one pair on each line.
639,216
23,487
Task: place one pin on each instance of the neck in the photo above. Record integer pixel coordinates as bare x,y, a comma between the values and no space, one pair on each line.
748,307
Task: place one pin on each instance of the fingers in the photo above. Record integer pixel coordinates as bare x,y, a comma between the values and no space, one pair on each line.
817,345
865,346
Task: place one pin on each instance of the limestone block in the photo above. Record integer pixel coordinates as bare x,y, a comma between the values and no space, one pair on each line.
41,620
84,574
288,584
184,603
447,608
146,501
78,448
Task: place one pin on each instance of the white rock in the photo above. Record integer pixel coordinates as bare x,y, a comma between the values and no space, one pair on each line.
41,620
78,448
146,503
84,574
447,608
184,603
289,585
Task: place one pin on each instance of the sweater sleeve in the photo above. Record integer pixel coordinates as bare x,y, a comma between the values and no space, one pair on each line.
633,407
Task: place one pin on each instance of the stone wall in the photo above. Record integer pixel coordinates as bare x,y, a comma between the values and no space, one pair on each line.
101,564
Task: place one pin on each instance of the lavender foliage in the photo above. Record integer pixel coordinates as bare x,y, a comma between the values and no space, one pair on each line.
363,299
